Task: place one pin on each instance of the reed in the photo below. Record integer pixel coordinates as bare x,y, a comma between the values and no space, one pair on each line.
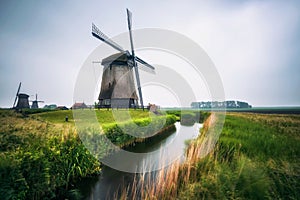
256,157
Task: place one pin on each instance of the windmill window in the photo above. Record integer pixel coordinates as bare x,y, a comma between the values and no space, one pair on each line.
106,101
109,85
109,67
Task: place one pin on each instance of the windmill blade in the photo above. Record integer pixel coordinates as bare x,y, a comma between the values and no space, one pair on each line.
17,94
138,82
144,63
145,69
96,62
101,36
15,101
129,20
136,70
36,99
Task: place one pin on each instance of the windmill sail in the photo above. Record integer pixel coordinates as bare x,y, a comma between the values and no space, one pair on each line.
144,62
17,94
137,76
98,34
115,66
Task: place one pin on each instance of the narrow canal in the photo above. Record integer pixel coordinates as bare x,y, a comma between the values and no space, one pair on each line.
171,143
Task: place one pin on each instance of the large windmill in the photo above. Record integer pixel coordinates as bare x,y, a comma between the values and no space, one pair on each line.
22,99
35,103
118,87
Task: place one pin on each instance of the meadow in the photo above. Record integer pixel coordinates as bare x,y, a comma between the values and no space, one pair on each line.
256,157
42,156
104,116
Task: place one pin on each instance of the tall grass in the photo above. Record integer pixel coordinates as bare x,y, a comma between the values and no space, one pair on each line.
256,157
40,160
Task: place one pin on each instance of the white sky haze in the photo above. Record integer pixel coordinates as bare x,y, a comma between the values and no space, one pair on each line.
255,45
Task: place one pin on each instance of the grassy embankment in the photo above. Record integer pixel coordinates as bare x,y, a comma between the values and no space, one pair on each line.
116,128
42,156
256,157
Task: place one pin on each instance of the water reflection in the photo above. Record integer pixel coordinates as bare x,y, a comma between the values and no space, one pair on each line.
166,150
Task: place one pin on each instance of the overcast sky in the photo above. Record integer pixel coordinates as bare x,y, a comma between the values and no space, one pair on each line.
255,45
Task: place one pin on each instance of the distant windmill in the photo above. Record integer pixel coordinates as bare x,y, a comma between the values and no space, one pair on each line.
117,87
22,99
35,103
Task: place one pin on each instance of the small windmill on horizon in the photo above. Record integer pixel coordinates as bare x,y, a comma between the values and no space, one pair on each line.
117,87
35,102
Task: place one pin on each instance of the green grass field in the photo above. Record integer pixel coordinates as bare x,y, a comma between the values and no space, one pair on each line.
42,156
256,157
103,116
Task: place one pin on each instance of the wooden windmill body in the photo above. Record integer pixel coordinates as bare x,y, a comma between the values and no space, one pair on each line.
23,101
22,98
118,84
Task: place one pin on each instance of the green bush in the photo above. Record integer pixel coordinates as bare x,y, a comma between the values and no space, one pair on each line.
35,111
189,116
118,133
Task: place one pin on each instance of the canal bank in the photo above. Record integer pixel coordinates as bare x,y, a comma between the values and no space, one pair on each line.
167,147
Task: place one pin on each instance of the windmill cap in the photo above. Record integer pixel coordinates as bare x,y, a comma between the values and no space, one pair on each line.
118,58
22,95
